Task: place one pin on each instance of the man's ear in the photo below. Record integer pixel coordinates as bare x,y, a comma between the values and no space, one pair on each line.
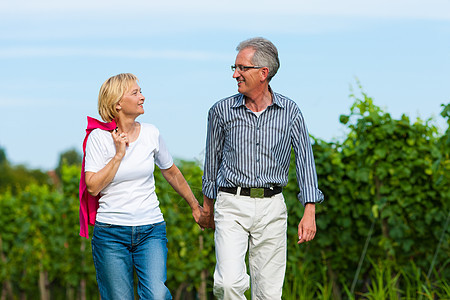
264,73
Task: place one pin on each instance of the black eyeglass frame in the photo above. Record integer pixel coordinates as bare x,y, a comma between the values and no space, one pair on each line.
244,68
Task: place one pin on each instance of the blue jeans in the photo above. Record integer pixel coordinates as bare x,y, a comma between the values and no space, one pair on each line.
117,249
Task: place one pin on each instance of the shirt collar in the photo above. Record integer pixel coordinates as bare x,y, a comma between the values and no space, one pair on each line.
240,100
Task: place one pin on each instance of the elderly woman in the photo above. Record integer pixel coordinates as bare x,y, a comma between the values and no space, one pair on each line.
129,231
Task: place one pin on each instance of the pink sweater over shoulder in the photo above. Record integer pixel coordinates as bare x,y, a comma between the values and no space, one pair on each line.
89,203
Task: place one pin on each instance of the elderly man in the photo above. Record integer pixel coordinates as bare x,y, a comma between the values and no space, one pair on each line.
249,140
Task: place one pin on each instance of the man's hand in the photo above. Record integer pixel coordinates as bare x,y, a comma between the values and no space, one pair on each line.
207,220
203,218
208,212
307,226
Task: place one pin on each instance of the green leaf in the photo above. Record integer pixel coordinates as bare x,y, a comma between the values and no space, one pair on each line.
375,211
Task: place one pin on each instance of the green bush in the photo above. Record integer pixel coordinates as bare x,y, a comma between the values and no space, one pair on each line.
381,232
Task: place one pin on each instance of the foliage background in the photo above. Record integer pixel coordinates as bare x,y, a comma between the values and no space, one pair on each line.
381,231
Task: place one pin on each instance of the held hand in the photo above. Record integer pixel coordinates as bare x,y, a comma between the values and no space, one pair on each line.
197,212
210,218
202,218
307,226
206,220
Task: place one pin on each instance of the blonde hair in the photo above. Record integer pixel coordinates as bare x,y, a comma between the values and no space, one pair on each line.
111,91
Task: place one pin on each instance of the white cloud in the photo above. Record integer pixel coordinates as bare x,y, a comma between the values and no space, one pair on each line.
25,103
19,52
50,19
236,9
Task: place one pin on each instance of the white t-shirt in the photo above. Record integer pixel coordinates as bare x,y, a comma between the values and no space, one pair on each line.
130,198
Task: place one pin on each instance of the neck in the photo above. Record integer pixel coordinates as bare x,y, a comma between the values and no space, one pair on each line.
259,100
126,125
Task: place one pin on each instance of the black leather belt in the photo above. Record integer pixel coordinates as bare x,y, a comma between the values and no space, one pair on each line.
253,192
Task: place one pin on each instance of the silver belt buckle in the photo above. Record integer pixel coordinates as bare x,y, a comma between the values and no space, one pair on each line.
257,192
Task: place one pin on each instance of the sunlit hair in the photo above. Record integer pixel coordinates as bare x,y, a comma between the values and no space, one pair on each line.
111,91
266,54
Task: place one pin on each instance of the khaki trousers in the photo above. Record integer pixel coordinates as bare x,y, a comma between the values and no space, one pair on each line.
256,225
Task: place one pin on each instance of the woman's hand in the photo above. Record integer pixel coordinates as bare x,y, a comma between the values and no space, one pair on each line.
121,143
96,182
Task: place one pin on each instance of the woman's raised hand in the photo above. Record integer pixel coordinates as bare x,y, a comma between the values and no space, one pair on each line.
121,142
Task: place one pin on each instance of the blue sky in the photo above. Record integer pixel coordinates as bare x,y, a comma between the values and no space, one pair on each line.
54,55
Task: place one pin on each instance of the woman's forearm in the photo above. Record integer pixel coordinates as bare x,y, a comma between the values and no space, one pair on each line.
176,179
96,182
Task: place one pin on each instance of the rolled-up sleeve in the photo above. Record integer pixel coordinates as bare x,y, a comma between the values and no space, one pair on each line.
213,154
304,161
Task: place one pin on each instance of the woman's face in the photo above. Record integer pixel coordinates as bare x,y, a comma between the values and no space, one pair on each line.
132,102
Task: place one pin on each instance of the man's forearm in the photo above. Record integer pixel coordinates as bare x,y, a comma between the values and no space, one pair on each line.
310,208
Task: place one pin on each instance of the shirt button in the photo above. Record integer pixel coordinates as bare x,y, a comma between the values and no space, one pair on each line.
257,144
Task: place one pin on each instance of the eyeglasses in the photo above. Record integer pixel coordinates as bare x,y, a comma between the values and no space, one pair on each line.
243,68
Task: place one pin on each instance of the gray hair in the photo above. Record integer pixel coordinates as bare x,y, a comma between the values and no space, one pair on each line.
266,54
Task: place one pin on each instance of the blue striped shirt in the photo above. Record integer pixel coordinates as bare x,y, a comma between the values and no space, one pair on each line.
249,151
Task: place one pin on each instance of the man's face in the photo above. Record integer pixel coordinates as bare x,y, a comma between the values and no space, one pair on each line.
248,80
